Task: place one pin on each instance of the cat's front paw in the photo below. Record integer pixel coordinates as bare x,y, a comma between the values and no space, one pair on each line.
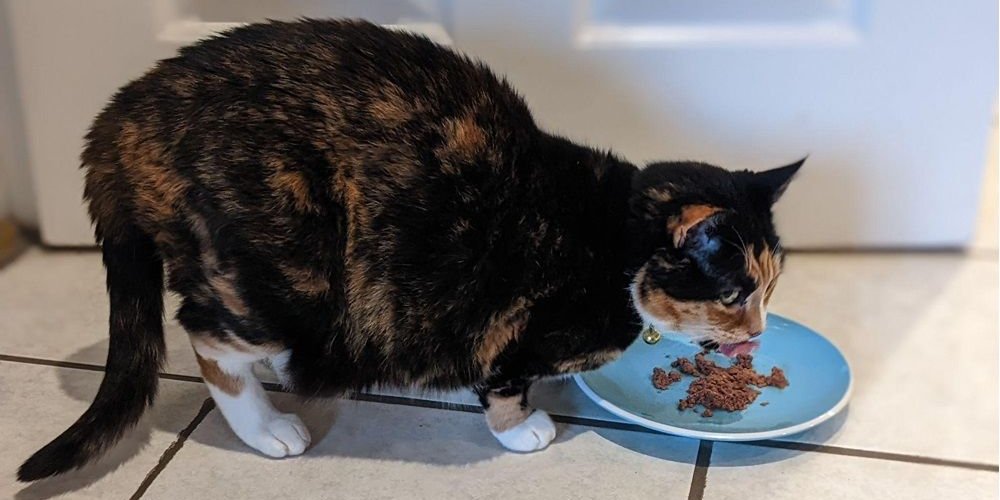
283,436
535,433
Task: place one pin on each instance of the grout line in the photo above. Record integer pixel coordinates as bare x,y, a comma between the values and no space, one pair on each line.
181,378
172,450
462,407
567,419
87,366
604,424
417,402
49,362
880,455
700,474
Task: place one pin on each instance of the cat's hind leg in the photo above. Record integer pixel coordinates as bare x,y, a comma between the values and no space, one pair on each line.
516,425
227,368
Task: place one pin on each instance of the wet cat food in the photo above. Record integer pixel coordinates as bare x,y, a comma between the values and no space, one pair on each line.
718,388
662,379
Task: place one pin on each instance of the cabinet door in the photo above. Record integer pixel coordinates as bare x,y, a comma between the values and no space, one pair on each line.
892,99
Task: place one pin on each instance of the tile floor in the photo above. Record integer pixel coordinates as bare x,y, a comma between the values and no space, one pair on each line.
904,435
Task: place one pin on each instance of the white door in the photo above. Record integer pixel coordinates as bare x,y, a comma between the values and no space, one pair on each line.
892,99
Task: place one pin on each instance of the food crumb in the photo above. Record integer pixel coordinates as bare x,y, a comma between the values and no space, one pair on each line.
765,403
707,413
662,379
777,378
685,366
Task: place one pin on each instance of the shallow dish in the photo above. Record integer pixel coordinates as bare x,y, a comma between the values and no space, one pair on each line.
818,375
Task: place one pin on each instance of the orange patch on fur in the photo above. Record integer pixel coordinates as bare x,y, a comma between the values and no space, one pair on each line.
679,312
101,191
305,280
590,361
290,185
156,187
184,84
332,111
464,140
503,328
769,290
225,287
391,107
352,197
369,300
213,374
222,283
345,188
725,318
656,301
370,306
690,216
505,412
764,268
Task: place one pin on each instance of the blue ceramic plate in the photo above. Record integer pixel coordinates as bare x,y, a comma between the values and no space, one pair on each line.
818,376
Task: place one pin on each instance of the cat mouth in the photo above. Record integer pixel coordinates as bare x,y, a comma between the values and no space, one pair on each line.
730,350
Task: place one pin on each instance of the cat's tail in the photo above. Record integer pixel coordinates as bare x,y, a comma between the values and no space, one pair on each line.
136,351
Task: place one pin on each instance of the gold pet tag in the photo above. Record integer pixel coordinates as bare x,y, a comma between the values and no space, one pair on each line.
650,335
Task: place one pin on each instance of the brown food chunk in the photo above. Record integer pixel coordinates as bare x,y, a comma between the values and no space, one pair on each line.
685,366
777,378
662,379
730,389
744,361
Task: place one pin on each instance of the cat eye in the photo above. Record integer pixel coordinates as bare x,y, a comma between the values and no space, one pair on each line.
729,297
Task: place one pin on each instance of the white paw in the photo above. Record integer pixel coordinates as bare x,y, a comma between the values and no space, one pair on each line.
535,433
283,436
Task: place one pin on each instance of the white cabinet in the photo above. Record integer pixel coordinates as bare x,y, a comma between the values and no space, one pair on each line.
892,99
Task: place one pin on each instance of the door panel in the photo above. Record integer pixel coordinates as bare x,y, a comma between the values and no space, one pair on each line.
891,99
894,113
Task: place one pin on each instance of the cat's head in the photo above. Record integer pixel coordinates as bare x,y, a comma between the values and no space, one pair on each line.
708,250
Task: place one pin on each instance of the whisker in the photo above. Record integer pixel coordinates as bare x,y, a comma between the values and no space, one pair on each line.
740,236
733,243
743,244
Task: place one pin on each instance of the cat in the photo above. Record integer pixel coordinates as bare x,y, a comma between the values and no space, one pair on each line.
359,207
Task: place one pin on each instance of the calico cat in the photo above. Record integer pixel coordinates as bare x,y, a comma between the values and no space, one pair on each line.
359,207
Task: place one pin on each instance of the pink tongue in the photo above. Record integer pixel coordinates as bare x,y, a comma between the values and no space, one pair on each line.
733,350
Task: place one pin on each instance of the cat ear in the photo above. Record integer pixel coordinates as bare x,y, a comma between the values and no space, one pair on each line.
690,217
772,183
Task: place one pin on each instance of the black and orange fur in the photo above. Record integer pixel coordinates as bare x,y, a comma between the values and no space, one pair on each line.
389,211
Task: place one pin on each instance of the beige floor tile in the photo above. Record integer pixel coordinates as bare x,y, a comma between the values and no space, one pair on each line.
54,306
740,471
40,402
371,450
920,332
892,314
